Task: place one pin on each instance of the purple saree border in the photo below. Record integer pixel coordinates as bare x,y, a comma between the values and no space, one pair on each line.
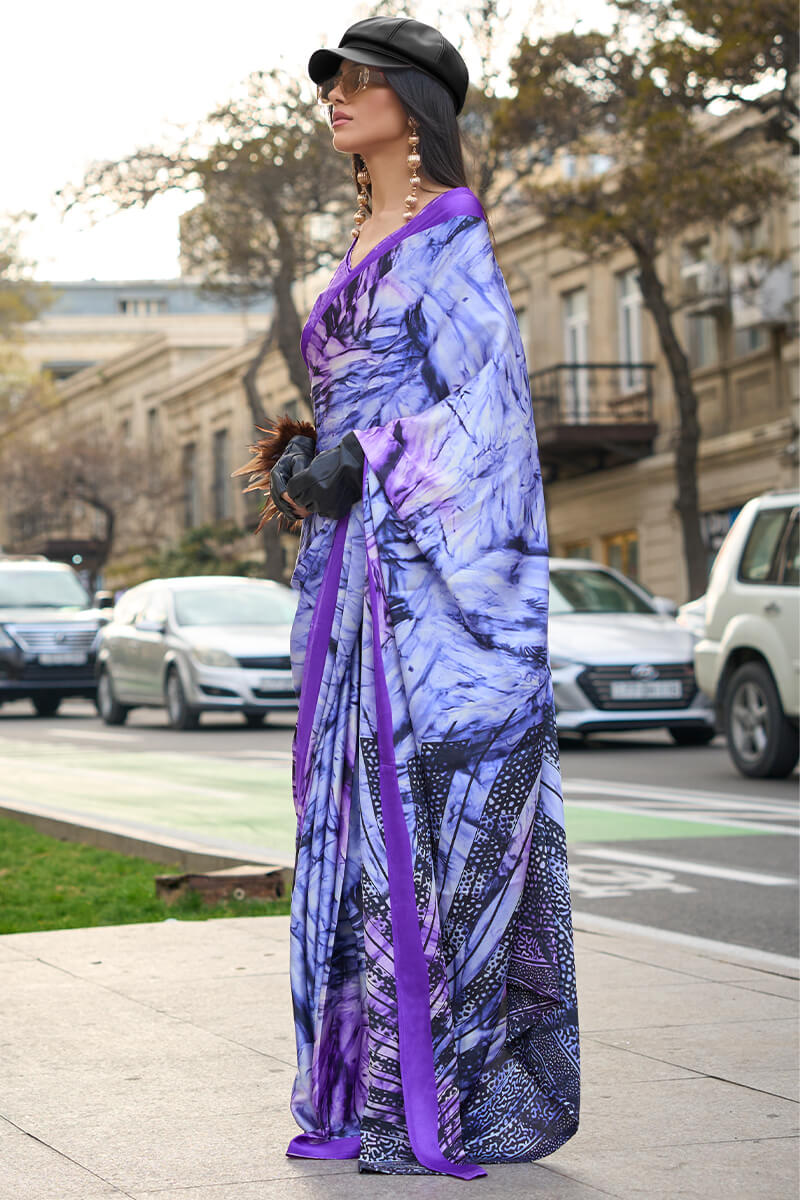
417,1070
305,1145
319,634
457,202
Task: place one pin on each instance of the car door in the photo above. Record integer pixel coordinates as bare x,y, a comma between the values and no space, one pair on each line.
786,609
151,627
119,642
759,594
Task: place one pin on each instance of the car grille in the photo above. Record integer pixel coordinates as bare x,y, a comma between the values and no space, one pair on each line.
280,662
53,639
34,673
273,694
596,683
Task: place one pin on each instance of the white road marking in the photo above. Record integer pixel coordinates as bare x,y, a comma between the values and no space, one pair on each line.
96,735
781,964
643,791
680,865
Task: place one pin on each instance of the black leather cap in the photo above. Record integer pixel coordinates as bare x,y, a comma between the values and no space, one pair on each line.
396,42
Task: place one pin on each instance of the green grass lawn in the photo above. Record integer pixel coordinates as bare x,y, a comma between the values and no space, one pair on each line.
47,883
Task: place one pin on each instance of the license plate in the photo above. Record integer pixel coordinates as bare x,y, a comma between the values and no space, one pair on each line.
275,682
646,689
63,660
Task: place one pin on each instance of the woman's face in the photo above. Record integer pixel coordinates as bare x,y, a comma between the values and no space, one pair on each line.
376,117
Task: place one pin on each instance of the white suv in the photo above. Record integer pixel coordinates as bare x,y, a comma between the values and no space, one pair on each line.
748,660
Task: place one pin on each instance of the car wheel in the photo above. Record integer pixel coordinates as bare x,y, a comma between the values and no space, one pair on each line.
762,742
46,706
686,735
180,715
254,720
110,709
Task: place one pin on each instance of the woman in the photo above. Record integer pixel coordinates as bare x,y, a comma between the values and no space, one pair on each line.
431,938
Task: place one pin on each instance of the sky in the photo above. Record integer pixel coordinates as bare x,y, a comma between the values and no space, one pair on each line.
89,81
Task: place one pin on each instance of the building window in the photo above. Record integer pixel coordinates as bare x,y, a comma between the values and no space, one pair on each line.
702,288
578,550
125,431
221,478
629,325
189,475
701,335
621,551
142,307
575,323
153,430
752,337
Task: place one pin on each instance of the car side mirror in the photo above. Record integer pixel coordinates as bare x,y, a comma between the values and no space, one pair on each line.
103,600
664,605
152,626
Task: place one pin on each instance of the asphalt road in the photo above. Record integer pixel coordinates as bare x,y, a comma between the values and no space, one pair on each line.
658,835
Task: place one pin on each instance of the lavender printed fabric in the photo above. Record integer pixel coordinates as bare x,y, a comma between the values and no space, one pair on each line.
432,957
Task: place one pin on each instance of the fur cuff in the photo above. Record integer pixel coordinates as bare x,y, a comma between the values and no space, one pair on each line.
266,453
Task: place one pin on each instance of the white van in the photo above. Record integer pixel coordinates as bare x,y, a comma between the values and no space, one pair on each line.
748,660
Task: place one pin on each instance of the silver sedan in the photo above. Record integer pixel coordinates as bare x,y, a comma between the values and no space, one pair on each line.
620,660
198,644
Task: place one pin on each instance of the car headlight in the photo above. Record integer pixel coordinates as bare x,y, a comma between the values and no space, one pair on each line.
558,662
5,641
210,657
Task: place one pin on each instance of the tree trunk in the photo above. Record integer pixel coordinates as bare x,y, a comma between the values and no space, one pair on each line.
688,437
285,333
274,555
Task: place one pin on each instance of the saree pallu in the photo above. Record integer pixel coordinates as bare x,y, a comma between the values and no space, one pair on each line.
432,963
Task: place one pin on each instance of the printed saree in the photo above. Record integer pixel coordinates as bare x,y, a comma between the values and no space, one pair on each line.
432,963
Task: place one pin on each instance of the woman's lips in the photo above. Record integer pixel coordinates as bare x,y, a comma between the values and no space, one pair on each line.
341,121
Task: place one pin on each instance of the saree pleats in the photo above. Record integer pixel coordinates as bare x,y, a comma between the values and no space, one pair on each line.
432,954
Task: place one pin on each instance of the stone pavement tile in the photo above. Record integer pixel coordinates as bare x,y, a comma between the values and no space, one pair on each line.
602,1061
599,970
343,1181
753,1054
137,1150
773,985
32,1171
73,1023
232,1079
674,1112
692,1003
663,954
252,1010
735,1170
184,949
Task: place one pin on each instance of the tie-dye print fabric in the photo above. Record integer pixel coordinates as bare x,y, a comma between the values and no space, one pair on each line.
431,937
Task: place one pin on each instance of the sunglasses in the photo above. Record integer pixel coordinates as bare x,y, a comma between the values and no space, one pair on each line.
350,83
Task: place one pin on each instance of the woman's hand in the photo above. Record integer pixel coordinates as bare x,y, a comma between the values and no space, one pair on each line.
298,508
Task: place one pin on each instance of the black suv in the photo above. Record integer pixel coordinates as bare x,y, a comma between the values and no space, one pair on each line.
48,627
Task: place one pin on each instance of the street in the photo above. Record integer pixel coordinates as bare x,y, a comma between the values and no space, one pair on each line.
660,836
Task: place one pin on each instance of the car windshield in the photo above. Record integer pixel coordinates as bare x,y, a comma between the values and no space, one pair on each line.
241,605
42,589
590,591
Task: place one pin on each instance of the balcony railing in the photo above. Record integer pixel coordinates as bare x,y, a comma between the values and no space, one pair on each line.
593,415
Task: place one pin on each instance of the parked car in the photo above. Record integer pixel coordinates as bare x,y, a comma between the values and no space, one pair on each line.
748,661
620,660
48,627
208,643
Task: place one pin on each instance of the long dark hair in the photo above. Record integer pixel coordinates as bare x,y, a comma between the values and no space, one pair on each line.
441,142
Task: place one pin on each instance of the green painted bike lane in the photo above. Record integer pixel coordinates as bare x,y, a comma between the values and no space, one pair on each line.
247,803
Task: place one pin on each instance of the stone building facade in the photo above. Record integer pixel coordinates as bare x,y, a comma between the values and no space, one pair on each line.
602,395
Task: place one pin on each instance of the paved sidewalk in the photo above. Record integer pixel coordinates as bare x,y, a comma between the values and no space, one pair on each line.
155,1061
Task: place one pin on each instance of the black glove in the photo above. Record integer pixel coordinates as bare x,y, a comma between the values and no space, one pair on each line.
298,454
331,485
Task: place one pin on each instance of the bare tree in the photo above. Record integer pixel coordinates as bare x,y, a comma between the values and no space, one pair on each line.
95,485
641,96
